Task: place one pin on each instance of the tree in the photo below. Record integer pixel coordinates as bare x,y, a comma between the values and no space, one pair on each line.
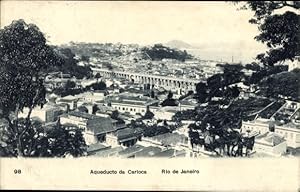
169,101
280,32
69,65
235,92
148,114
97,86
63,141
115,114
201,92
284,84
85,58
97,76
95,109
159,52
215,130
70,85
83,109
24,55
152,94
170,95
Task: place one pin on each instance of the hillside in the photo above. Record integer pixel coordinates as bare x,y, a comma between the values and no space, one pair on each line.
159,52
178,44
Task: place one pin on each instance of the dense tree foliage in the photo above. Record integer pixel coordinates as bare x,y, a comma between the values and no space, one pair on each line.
264,72
97,76
70,84
280,32
217,128
83,109
218,85
24,58
285,84
152,130
148,115
169,101
97,86
69,65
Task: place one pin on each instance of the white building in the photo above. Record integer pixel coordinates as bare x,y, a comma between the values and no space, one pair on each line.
270,143
48,113
94,96
132,104
291,134
71,101
166,113
126,137
94,127
286,122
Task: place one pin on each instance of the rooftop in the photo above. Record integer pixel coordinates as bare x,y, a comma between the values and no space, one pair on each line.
132,99
170,153
108,152
96,147
68,98
169,138
131,150
101,125
270,139
128,132
83,115
148,151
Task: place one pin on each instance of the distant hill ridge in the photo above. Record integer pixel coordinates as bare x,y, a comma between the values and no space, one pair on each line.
178,44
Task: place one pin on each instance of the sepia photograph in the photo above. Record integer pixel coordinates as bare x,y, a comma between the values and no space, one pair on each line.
155,82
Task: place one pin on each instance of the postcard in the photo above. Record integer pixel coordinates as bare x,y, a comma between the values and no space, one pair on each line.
150,95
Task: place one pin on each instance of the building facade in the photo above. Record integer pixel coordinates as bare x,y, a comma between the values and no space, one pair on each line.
95,128
291,135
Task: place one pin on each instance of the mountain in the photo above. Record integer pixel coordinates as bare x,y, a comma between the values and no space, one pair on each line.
178,44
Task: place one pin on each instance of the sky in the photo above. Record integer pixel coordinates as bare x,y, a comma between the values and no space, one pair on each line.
217,28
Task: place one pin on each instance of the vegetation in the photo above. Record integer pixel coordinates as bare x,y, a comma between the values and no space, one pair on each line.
216,129
69,88
285,84
83,109
153,130
97,86
263,72
69,65
24,57
148,115
218,85
38,141
159,52
169,101
280,32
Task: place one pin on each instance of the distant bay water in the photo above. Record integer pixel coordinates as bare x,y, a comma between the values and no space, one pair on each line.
222,55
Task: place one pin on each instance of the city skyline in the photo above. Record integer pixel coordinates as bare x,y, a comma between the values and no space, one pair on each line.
218,29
